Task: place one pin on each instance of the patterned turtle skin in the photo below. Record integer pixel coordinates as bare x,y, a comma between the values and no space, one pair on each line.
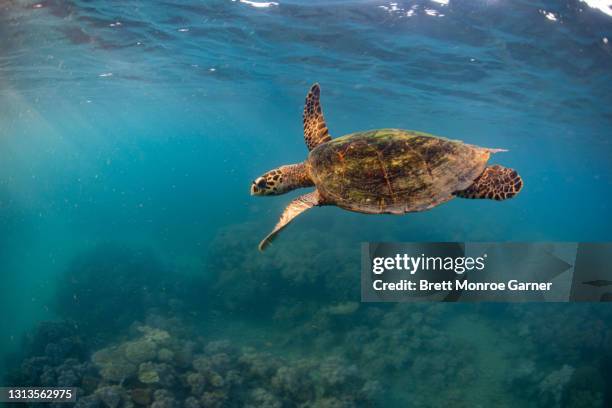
393,171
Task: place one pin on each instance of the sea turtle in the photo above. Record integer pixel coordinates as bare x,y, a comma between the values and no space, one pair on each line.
383,171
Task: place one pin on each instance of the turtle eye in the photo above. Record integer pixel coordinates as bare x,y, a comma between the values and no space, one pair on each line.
261,182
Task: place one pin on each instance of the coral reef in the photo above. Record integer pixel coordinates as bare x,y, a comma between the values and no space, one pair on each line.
148,369
55,355
60,364
368,333
156,345
245,280
310,290
570,345
565,336
553,385
223,375
56,340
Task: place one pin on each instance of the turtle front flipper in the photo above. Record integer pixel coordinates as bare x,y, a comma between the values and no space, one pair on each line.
315,129
295,208
495,183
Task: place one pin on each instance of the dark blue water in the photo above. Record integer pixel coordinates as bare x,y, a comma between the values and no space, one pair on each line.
129,135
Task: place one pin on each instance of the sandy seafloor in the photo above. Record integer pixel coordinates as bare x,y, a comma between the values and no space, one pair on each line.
130,133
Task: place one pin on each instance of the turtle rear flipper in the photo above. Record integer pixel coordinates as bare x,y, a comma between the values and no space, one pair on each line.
495,183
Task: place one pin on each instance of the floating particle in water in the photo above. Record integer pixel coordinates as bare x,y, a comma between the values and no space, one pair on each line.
106,74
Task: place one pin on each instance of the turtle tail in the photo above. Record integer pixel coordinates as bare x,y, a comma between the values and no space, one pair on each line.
495,183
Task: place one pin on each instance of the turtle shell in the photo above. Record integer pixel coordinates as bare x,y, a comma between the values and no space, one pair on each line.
393,171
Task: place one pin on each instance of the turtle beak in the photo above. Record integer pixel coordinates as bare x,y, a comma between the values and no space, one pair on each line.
259,186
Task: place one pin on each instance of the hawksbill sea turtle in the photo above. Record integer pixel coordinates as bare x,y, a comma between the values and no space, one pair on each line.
383,171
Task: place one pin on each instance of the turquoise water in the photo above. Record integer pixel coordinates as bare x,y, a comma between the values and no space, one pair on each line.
129,136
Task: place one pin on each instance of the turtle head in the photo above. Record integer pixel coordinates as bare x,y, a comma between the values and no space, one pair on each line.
270,183
281,180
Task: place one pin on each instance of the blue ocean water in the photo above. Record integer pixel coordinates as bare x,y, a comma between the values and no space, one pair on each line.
129,135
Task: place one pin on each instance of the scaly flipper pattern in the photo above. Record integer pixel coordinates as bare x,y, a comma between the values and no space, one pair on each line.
315,129
295,208
495,183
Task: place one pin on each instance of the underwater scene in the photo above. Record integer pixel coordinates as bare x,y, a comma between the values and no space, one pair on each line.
130,136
